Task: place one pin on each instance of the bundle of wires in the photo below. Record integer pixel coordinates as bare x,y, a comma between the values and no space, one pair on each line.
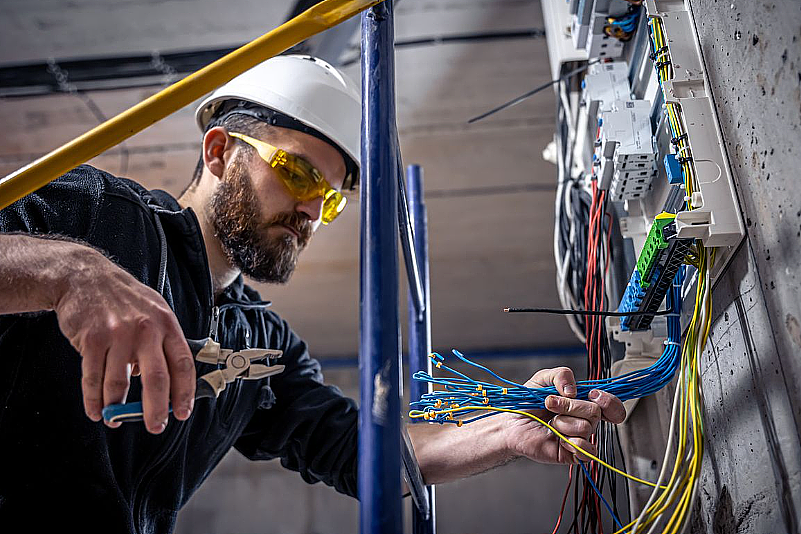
570,247
475,398
582,253
572,207
669,506
623,27
589,495
463,395
664,71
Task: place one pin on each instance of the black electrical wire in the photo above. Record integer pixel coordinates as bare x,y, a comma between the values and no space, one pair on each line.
533,92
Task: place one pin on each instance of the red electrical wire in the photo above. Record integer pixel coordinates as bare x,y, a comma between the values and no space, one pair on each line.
564,499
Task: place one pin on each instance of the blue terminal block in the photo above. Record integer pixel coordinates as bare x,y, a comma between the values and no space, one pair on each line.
632,298
673,170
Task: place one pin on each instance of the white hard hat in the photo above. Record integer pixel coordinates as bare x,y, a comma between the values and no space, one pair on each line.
303,88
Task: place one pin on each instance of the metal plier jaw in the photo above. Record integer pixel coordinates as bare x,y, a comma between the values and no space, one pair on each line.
233,365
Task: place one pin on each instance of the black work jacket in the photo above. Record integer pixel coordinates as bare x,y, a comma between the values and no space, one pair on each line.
60,469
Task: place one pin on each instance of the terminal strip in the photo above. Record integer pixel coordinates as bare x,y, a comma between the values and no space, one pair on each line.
660,260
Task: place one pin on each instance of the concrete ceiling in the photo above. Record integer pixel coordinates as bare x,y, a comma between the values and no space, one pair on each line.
489,193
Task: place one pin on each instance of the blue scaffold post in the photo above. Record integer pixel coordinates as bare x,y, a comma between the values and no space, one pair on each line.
379,350
419,327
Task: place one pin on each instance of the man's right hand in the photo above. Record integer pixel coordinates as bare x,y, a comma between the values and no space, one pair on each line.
120,325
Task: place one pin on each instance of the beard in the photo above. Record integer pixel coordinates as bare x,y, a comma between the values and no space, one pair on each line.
236,217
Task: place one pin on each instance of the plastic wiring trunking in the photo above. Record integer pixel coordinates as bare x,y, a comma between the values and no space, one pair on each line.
716,218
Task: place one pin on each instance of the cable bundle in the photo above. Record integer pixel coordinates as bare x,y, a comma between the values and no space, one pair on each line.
623,27
670,504
587,500
471,396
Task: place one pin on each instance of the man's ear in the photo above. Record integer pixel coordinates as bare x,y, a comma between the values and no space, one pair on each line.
218,148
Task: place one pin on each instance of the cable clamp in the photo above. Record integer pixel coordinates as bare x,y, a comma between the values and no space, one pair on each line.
676,140
672,343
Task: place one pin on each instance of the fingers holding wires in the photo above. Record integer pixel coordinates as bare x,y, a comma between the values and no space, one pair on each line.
600,406
573,426
612,409
568,454
574,409
576,420
562,378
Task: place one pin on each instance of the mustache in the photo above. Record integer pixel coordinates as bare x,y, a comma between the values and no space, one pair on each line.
301,224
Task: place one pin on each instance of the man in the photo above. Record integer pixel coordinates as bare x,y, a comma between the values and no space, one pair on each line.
103,280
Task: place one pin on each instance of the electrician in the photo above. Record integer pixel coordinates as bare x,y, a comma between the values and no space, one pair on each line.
103,280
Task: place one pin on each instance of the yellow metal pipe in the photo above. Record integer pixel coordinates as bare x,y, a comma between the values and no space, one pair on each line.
117,129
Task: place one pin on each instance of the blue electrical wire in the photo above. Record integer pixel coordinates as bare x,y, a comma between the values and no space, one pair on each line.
627,22
589,479
466,391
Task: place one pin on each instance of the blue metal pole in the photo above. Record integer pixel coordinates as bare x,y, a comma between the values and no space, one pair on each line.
420,327
379,351
407,245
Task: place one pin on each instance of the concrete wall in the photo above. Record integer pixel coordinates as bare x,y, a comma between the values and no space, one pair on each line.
752,367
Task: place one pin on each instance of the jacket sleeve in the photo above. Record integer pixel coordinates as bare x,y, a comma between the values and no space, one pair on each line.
312,427
66,207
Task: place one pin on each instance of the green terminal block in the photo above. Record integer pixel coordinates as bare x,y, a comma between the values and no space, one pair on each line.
655,243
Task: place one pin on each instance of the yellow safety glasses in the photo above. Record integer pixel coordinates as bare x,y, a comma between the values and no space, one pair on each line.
303,181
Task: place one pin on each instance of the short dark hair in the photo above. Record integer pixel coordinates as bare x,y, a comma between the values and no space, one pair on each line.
235,122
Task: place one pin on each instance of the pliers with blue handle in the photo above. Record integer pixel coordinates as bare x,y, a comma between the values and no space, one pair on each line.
231,365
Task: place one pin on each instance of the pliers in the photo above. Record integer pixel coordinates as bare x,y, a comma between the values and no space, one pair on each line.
230,366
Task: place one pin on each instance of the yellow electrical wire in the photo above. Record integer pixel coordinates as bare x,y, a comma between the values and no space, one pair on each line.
680,489
419,414
664,71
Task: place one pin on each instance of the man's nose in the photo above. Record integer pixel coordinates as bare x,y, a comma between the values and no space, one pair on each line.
312,208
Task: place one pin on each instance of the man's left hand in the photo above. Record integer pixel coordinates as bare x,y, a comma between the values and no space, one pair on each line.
576,419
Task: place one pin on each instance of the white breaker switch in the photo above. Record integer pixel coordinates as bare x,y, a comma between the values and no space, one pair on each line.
604,84
628,163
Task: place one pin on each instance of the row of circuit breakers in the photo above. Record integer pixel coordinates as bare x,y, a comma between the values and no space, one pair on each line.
624,150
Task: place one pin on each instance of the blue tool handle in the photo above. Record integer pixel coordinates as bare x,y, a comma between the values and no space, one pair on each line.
124,413
133,411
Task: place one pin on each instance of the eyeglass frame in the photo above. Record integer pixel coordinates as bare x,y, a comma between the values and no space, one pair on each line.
275,156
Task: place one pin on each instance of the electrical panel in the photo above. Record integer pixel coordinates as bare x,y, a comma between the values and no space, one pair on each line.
661,159
646,212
